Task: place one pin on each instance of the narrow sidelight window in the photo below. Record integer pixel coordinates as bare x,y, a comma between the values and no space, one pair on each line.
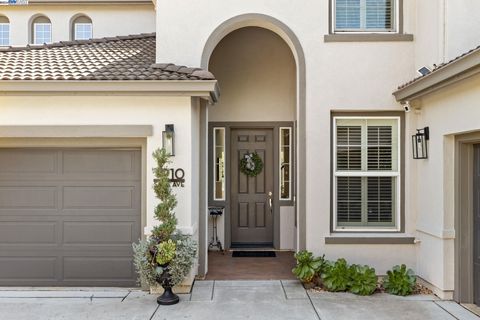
365,15
367,173
219,164
285,165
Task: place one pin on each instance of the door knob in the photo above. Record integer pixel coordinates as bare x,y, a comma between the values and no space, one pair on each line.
270,201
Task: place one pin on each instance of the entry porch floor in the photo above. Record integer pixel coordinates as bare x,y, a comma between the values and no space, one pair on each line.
211,300
222,266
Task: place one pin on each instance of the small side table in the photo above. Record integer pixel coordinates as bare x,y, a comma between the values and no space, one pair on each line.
215,212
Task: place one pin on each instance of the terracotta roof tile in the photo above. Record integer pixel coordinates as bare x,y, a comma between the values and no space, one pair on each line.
440,66
114,58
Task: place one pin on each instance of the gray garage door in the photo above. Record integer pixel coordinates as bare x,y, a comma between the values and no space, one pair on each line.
68,217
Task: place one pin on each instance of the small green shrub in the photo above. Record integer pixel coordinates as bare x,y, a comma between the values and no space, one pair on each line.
400,281
165,252
363,280
308,266
336,276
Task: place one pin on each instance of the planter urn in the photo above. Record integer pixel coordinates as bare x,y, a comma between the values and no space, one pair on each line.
168,297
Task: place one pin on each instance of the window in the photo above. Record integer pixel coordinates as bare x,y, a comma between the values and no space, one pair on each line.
285,162
219,165
367,173
42,30
4,31
365,15
82,28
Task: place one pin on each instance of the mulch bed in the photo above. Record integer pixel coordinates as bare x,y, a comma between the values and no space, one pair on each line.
419,289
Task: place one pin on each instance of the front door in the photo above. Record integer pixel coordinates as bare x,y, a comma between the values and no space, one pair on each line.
476,226
252,197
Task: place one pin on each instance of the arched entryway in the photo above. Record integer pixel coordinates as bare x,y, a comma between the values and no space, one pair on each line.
260,68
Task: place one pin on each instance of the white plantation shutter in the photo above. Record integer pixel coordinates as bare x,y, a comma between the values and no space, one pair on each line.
349,148
379,14
349,199
347,14
364,15
366,173
380,199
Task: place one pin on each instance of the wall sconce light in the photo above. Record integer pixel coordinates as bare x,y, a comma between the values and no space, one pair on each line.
168,137
419,143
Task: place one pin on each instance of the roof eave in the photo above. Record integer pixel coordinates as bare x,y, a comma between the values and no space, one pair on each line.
454,72
207,89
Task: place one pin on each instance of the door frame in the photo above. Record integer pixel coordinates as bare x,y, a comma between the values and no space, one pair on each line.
464,217
275,126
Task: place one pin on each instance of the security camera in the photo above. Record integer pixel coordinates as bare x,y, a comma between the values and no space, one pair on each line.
406,106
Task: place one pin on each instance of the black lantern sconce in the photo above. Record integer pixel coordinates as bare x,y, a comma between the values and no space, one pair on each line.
420,143
168,137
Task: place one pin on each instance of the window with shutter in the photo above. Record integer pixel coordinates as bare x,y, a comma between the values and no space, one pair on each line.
365,15
366,173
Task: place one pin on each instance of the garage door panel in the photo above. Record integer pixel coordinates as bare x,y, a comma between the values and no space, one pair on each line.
27,232
27,268
105,268
25,162
28,197
117,162
94,197
99,232
77,212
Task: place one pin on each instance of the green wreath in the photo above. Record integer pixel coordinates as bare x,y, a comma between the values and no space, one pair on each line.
251,164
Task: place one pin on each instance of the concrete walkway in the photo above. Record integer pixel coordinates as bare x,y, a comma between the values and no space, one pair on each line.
229,300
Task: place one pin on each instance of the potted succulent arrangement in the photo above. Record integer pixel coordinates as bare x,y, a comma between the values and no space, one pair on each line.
166,256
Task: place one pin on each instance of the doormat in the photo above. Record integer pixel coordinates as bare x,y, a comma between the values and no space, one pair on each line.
253,254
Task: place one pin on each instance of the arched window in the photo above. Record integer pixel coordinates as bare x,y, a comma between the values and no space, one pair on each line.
41,30
4,31
82,28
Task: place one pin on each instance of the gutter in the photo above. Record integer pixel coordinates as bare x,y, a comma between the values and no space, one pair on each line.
457,70
206,89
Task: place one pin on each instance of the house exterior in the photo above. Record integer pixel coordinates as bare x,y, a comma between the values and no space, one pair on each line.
319,90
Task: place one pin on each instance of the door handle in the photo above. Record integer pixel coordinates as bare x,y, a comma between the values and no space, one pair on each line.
270,203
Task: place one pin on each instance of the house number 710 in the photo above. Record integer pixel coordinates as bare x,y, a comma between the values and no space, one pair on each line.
177,178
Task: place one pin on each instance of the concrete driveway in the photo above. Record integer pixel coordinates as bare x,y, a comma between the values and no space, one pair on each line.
230,300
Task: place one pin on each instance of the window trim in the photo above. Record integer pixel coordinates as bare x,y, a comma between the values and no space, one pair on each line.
399,217
76,24
398,23
9,33
35,32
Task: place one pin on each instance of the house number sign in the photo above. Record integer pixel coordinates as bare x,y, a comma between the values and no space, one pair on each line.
177,178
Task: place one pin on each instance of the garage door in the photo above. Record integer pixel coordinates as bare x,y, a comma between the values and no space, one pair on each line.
68,217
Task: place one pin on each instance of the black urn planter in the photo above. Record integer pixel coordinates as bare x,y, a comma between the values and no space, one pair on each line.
168,297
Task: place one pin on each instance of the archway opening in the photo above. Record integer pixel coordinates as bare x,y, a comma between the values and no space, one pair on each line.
257,112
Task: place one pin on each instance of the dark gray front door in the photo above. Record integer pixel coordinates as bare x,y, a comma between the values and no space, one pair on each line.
251,209
68,217
476,224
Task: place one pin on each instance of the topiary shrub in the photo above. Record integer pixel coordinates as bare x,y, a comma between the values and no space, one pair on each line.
308,266
363,280
400,281
336,276
166,250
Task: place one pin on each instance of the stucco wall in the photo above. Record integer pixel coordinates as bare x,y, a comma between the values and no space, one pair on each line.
123,110
449,112
256,72
339,76
445,30
107,20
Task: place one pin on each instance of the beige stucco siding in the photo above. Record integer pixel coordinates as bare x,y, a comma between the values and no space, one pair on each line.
451,111
122,110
